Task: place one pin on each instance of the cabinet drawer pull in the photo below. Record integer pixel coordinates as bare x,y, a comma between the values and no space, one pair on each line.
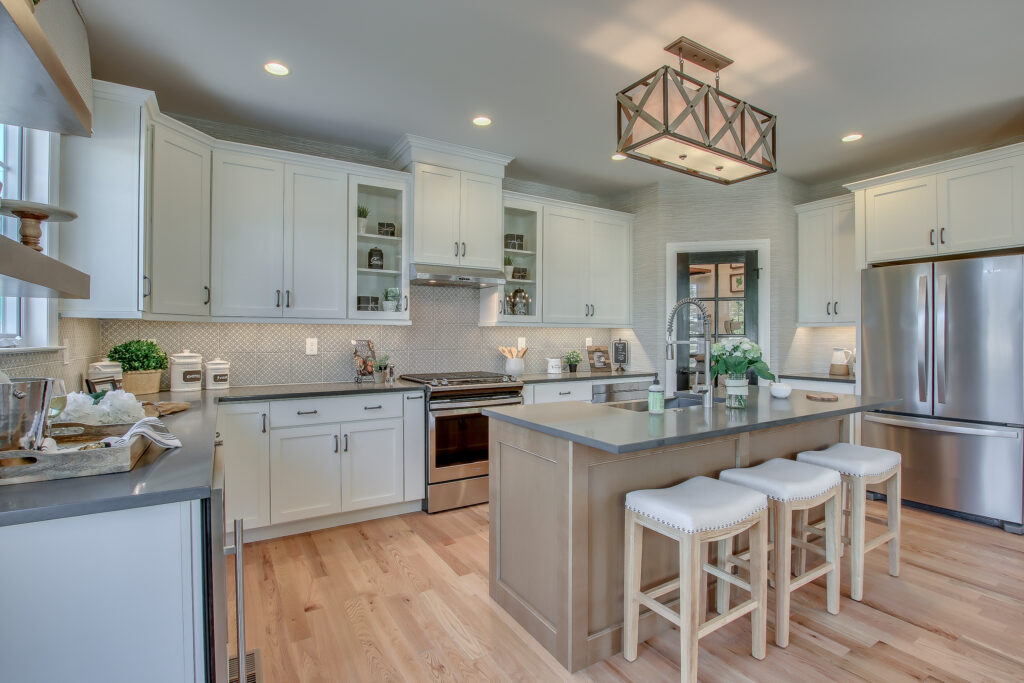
277,304
835,308
336,443
456,250
415,397
346,443
307,412
463,248
264,416
564,393
942,235
828,308
287,298
372,407
147,286
931,237
405,300
207,301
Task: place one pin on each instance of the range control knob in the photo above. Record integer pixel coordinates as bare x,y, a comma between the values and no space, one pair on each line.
506,378
444,382
433,382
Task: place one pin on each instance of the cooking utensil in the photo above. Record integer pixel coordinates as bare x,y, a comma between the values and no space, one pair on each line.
24,403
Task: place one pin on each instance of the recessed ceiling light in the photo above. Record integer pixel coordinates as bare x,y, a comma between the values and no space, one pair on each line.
276,69
852,137
482,120
618,156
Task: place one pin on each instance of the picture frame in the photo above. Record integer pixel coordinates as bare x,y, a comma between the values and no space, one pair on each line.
364,355
737,283
600,359
102,384
520,273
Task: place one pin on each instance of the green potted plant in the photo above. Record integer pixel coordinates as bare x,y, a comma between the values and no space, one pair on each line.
142,362
362,217
573,359
508,267
734,358
380,368
391,295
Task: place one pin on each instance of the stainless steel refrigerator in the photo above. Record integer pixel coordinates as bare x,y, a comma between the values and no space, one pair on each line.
947,337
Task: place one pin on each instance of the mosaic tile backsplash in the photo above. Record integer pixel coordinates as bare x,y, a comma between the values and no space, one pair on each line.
84,342
444,336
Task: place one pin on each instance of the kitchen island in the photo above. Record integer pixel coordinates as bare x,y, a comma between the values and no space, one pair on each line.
559,474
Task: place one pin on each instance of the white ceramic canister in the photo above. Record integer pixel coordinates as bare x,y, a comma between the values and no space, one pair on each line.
218,374
554,366
186,371
104,369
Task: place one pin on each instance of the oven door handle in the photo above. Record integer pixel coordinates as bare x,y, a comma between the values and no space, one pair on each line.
463,407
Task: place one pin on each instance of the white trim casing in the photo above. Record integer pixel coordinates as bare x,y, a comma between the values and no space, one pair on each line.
764,288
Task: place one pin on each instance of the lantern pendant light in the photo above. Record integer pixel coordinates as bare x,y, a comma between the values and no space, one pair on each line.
672,120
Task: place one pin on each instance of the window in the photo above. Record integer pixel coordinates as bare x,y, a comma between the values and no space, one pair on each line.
10,188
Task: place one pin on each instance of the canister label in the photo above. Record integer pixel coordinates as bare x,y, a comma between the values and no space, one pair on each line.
220,378
192,376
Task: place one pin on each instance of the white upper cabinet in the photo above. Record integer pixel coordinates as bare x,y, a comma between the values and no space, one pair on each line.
965,205
315,242
248,235
180,224
382,235
480,221
437,213
827,278
586,266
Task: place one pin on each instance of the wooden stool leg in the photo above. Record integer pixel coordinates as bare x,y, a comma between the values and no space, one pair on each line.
702,609
832,541
783,568
892,494
689,585
843,517
634,555
722,587
858,492
801,534
759,586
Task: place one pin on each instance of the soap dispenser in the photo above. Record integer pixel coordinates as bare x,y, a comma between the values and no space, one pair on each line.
656,398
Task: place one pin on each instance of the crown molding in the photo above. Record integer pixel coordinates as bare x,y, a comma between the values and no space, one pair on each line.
412,149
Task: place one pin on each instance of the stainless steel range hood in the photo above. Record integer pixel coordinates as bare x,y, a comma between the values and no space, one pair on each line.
454,276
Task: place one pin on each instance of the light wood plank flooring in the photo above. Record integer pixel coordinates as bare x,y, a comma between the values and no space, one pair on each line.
405,599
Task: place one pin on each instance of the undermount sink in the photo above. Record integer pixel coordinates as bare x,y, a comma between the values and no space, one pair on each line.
682,400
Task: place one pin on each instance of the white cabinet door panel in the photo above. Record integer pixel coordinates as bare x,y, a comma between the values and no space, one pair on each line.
180,224
415,438
315,242
555,392
372,464
248,235
977,208
565,266
814,277
436,215
609,265
901,220
305,472
845,276
480,221
246,451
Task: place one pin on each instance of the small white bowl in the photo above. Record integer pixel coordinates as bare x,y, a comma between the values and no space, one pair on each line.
780,389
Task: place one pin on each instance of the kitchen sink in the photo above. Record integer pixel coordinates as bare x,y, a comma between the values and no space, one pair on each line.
683,400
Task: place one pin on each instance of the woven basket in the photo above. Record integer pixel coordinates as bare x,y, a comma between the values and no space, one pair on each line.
142,382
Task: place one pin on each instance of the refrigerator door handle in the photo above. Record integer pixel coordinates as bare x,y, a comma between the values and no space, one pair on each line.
941,338
1004,433
922,338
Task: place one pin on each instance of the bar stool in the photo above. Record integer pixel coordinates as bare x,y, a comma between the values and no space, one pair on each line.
859,467
694,513
793,486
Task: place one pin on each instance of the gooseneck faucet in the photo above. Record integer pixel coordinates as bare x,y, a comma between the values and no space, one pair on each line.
707,398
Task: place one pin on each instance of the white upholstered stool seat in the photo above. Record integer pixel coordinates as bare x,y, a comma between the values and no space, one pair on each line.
860,467
698,504
696,513
858,461
784,480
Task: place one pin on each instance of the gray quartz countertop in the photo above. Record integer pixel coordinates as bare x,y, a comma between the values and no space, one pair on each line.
541,378
617,430
160,477
819,377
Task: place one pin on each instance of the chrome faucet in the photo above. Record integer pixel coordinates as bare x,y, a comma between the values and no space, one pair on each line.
707,398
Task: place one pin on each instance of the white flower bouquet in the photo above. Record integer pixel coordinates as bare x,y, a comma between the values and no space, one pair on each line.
737,355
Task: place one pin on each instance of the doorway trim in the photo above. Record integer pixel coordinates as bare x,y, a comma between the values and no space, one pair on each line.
763,247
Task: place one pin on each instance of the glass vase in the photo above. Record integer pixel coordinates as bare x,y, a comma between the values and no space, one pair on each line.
736,391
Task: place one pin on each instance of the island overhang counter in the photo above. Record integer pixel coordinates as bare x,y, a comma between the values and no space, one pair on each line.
559,474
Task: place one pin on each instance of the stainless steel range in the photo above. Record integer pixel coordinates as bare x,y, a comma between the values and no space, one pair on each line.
457,440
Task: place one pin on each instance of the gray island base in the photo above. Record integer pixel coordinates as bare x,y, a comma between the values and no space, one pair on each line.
559,474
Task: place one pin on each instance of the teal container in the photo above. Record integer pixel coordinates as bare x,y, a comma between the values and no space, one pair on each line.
656,399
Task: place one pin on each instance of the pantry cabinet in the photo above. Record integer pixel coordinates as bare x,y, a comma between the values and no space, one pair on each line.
827,277
457,217
180,224
372,464
305,466
244,444
969,204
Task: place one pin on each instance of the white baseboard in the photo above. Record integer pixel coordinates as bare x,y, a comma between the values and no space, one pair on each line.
325,522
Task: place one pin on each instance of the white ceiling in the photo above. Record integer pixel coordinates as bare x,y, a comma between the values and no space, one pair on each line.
920,78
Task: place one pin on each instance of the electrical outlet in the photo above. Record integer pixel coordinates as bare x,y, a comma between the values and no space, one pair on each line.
311,346
590,341
522,343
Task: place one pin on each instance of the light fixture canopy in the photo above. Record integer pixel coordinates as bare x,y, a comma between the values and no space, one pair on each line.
276,69
674,121
482,120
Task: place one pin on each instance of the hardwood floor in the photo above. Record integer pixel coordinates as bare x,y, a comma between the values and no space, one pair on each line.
405,599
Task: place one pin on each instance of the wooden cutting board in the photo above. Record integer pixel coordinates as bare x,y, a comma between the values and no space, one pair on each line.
820,396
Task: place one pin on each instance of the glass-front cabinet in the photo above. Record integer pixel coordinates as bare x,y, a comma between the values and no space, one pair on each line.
519,301
378,249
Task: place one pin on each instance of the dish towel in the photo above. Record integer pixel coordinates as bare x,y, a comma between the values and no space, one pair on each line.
149,427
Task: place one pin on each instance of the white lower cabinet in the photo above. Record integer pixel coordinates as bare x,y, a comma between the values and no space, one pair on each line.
563,391
245,447
305,472
372,464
